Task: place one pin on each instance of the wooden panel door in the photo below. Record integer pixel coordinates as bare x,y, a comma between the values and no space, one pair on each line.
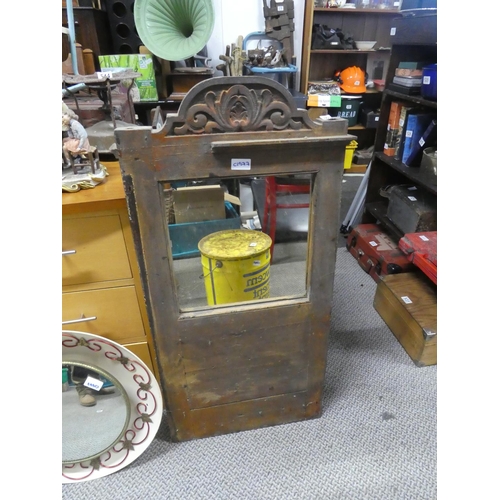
243,365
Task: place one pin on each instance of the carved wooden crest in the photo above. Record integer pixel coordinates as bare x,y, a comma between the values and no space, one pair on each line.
237,104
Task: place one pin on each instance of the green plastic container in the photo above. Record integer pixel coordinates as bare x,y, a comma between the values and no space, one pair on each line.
349,109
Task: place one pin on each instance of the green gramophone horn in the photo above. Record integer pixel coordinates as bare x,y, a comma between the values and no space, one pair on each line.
174,29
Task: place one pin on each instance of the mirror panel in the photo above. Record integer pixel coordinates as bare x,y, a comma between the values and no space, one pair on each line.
104,437
95,412
214,264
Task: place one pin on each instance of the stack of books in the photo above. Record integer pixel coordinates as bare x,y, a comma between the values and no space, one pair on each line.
410,130
408,78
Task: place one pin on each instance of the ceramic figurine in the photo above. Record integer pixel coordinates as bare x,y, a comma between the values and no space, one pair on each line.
76,143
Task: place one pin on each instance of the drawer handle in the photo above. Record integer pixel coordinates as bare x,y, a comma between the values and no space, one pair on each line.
81,320
68,252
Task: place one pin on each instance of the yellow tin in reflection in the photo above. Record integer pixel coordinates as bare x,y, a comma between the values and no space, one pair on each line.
236,265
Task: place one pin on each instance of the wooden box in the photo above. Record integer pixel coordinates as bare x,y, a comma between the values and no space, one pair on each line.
408,304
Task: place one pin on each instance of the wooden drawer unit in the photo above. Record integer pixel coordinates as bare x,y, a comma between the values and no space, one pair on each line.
100,252
101,287
116,312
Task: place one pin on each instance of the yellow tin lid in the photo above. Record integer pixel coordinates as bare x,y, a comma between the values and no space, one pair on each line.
234,244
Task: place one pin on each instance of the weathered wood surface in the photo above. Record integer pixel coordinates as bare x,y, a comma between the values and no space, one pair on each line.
414,323
231,368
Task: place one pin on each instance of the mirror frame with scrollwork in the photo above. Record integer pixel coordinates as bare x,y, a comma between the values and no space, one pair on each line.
142,390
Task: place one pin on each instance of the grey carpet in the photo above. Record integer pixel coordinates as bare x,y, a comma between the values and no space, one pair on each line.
376,439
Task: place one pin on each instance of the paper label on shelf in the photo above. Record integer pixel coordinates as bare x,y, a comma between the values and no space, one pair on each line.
241,164
324,101
423,237
93,383
406,300
101,75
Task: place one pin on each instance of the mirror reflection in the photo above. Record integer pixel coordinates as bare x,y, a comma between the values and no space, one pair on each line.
238,240
95,411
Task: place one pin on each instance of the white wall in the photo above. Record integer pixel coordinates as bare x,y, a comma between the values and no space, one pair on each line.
241,17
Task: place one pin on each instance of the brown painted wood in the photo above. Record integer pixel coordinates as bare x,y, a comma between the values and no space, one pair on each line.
236,367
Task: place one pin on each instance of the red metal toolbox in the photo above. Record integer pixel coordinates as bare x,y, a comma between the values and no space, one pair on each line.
421,249
376,252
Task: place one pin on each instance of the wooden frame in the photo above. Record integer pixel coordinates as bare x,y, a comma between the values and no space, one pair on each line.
225,369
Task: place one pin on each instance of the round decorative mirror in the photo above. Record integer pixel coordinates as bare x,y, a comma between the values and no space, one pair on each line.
97,400
111,406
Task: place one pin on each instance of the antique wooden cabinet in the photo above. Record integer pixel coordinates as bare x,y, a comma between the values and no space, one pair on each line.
100,277
242,365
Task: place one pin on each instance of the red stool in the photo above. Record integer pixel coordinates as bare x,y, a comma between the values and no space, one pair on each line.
276,188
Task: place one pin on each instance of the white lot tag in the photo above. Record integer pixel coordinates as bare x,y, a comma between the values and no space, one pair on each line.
409,133
93,383
412,198
421,141
423,237
426,80
253,244
412,188
373,243
101,75
241,164
406,300
393,31
256,262
324,101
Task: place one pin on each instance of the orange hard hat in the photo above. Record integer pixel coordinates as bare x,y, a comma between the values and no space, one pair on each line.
352,80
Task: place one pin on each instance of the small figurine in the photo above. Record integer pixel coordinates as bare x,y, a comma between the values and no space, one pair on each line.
76,143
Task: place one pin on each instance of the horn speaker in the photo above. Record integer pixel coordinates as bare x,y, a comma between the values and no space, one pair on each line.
174,29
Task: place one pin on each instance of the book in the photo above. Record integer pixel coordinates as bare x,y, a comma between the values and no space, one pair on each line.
392,128
411,65
428,138
408,72
408,81
404,90
415,127
403,119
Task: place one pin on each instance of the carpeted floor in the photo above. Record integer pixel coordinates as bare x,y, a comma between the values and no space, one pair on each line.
376,439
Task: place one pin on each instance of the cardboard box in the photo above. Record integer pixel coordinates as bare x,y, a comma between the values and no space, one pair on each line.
141,63
199,204
185,237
